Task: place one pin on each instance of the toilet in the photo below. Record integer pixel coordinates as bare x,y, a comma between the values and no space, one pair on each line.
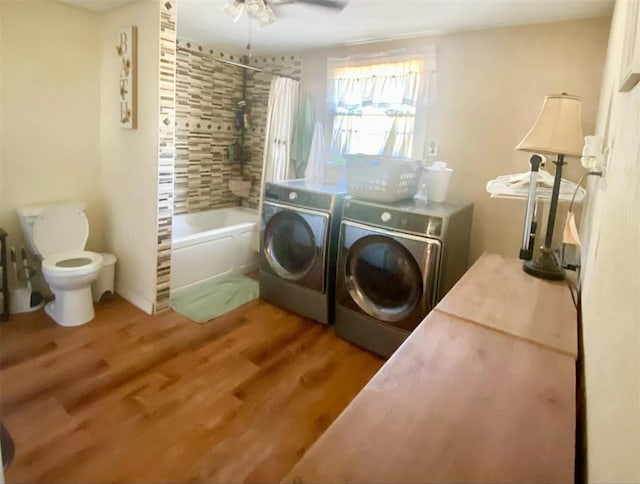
58,234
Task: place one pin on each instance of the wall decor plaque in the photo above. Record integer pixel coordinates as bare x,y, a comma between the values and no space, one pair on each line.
126,49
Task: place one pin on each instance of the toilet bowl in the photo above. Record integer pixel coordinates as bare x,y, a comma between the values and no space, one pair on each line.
69,276
59,234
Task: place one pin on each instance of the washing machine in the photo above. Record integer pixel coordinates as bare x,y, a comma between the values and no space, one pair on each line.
395,262
298,244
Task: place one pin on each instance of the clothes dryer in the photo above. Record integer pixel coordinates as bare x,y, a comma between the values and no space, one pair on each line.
298,243
395,262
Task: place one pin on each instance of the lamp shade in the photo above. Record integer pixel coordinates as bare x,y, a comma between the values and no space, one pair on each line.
557,129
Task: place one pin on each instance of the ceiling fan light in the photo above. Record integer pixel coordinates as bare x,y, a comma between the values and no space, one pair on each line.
260,11
233,8
254,7
266,17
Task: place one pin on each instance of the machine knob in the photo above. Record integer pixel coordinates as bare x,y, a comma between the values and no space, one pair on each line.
385,217
293,196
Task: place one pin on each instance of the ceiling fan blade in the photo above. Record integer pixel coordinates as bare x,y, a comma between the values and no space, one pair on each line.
335,4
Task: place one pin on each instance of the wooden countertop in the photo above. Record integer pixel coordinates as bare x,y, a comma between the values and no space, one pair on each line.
457,402
497,293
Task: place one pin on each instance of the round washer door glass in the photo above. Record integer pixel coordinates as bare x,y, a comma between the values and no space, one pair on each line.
290,247
383,278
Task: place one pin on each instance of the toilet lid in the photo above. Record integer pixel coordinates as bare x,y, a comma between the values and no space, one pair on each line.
60,228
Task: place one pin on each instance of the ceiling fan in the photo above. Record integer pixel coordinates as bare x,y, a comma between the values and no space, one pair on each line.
263,10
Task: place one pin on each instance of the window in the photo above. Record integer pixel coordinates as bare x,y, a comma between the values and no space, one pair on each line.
376,106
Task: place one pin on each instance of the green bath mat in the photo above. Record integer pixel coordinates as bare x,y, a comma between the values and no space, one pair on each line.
211,299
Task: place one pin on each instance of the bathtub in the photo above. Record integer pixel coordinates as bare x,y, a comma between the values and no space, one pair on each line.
212,244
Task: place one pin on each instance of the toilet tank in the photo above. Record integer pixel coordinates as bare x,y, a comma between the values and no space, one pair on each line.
28,214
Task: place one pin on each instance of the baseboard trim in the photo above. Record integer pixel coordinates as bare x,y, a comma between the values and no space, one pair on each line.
135,299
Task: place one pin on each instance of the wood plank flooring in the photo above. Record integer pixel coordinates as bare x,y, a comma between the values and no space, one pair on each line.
137,398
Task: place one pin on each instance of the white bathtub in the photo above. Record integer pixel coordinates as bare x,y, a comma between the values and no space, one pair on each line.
212,244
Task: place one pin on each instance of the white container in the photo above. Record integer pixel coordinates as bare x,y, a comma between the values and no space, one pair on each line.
102,287
20,301
438,177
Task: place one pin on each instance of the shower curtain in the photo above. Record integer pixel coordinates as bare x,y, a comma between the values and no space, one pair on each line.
284,94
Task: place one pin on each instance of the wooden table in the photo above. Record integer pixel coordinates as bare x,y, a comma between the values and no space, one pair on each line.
460,401
497,293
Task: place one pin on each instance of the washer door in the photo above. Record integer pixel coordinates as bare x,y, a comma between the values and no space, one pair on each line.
383,278
392,277
293,244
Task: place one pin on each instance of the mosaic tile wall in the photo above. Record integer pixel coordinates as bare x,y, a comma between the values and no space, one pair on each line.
166,150
207,93
258,84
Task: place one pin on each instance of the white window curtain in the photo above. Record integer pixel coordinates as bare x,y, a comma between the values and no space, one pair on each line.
384,83
378,102
284,94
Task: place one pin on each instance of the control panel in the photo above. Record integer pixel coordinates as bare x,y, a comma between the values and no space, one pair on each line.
392,219
298,197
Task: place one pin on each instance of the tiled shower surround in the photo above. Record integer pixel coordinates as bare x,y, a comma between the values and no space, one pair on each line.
207,93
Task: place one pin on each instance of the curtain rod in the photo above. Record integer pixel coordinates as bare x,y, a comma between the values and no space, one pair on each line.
237,64
256,69
244,66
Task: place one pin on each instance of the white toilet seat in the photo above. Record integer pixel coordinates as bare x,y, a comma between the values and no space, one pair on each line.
73,263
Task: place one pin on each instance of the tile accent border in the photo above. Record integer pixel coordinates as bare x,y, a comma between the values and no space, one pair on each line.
166,151
204,50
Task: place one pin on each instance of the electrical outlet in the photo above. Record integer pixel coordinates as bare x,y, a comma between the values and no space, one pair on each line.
432,149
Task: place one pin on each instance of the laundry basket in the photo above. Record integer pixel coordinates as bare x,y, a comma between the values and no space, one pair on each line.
382,178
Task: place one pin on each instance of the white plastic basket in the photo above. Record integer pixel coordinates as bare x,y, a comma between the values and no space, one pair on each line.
382,178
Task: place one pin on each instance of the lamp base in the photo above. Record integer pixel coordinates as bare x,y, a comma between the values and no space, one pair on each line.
545,266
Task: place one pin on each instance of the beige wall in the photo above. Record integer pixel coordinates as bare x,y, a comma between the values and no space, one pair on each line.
129,158
49,110
61,138
611,283
490,87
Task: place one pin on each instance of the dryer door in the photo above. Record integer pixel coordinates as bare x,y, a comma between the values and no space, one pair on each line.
389,276
293,244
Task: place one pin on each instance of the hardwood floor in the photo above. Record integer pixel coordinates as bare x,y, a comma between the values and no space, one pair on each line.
131,397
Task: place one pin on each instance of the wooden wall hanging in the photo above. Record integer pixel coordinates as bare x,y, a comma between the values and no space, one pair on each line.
126,49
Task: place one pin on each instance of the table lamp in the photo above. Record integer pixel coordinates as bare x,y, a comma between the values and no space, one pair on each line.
557,131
